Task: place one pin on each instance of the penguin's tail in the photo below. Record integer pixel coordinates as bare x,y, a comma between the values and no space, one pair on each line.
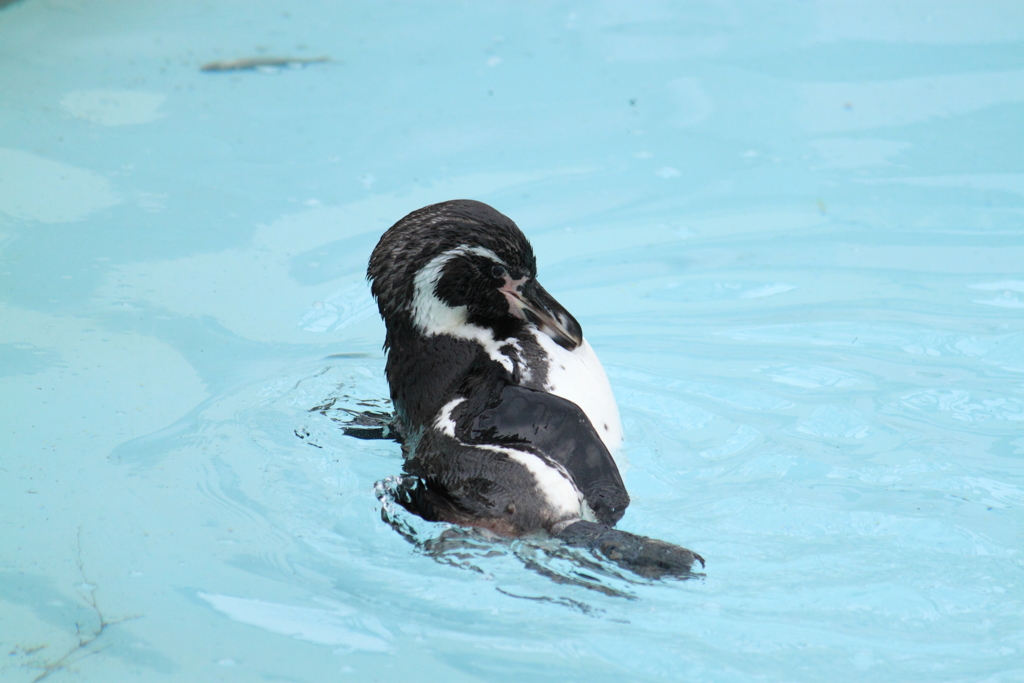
647,557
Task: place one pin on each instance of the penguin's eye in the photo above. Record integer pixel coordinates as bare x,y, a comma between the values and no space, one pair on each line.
498,271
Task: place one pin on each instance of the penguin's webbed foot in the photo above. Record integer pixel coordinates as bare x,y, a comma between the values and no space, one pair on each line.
372,425
647,557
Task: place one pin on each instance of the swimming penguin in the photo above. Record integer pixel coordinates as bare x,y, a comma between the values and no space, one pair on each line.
506,416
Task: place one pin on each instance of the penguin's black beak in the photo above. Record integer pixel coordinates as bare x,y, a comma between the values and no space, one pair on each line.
529,301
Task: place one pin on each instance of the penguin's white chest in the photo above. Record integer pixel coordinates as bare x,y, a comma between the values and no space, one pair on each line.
578,376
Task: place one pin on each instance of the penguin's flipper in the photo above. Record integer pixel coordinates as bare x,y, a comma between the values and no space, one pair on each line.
556,429
647,557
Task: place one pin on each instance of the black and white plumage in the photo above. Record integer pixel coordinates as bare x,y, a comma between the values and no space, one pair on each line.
507,419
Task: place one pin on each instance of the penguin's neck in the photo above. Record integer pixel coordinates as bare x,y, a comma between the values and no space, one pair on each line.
424,371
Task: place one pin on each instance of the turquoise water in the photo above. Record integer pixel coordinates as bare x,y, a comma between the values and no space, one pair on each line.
793,232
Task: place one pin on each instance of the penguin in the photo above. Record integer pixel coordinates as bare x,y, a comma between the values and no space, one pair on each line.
506,417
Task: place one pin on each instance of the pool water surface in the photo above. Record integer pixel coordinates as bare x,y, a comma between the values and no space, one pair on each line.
793,232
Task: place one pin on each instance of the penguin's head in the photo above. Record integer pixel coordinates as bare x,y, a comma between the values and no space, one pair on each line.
457,266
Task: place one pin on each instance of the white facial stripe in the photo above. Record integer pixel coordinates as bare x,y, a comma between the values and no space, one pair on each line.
428,310
433,316
430,314
482,251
